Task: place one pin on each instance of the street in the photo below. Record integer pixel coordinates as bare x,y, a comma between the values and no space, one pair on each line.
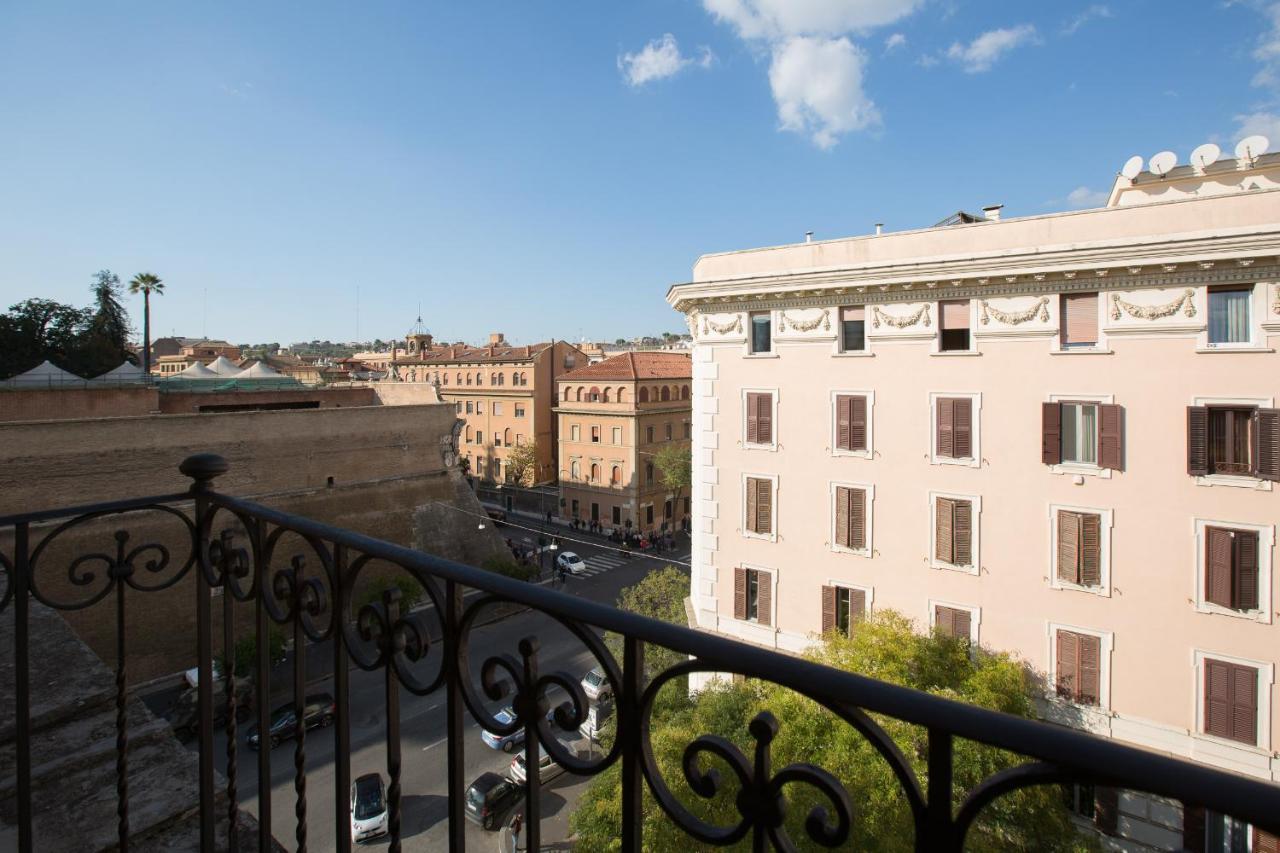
424,796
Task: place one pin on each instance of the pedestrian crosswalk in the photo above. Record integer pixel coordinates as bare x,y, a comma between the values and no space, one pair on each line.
598,563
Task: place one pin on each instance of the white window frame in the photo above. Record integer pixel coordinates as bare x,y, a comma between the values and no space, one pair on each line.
934,458
773,341
839,351
1105,646
869,453
868,591
870,490
1266,544
1071,468
1266,682
773,508
975,617
772,446
1101,347
1105,524
1242,481
497,407
976,503
575,432
616,434
773,598
1257,315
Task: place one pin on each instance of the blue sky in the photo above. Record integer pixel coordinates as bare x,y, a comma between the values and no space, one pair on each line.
551,168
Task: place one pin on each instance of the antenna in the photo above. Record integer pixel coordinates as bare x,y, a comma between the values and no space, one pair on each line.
1205,156
1132,167
204,318
1252,147
357,313
1162,163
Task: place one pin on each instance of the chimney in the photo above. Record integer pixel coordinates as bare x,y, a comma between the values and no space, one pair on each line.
496,338
808,236
879,228
992,212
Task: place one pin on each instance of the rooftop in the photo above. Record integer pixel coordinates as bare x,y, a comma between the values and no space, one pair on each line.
462,353
636,365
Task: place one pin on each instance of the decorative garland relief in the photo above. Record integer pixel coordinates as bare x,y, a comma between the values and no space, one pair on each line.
722,328
1184,302
878,317
804,325
1016,318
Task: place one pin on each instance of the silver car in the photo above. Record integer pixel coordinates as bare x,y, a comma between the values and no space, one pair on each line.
596,685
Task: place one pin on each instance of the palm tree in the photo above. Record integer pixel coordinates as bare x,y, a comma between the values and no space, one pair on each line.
146,283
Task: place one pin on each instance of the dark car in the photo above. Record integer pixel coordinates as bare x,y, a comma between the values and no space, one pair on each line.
319,711
489,798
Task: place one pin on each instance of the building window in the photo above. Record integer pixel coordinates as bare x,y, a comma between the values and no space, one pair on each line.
1082,433
575,472
648,473
758,411
1078,555
761,333
497,408
664,395
850,517
752,596
955,532
595,435
851,423
1079,320
519,440
575,433
842,608
669,430
470,407
853,329
759,506
1230,701
615,476
617,516
506,436
595,473
648,514
617,435
684,392
519,411
648,432
1231,568
1077,670
643,396
497,439
688,429
479,407
953,325
1229,315
953,622
1233,440
955,430
1224,834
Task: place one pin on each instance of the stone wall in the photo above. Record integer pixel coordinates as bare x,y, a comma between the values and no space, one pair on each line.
56,404
192,402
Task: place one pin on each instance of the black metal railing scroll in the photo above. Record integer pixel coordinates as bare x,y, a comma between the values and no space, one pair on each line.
307,578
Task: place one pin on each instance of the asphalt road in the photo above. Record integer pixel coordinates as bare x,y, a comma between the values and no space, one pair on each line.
423,735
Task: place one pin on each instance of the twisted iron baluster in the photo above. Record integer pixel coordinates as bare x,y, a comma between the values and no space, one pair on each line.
120,572
393,643
228,567
299,708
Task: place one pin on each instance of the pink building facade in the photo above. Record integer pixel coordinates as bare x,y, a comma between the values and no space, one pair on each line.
1055,435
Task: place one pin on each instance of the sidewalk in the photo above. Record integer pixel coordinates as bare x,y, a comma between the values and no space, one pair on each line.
532,519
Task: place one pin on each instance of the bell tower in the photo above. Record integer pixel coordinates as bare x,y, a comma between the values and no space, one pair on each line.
418,339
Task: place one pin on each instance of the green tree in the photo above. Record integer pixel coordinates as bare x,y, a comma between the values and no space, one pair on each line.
411,592
105,341
660,595
883,647
37,330
522,463
621,342
675,468
146,283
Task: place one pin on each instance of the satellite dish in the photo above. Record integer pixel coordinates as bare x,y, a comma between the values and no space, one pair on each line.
1132,167
1252,147
1163,162
1205,156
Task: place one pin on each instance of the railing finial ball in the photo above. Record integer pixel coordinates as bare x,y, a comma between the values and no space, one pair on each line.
202,468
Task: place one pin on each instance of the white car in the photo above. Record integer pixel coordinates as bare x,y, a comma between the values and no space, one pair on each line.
596,685
547,768
571,563
368,808
192,675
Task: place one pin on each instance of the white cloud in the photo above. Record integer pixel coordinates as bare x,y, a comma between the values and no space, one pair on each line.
1092,13
776,20
1268,50
817,85
1082,197
660,59
927,60
894,42
983,52
1267,124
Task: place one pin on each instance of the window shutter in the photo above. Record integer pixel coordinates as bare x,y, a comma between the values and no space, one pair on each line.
1193,829
1217,698
1106,809
1090,550
753,429
844,422
1080,318
944,544
1089,669
764,599
764,506
842,517
857,518
753,500
964,533
1197,441
828,609
961,624
857,423
1244,703
857,606
1111,437
955,314
1246,569
1068,668
946,425
1266,444
962,411
942,621
1051,433
739,593
1068,546
1219,550
764,418
1265,842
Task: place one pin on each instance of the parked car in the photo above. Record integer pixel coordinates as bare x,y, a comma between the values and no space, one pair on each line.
489,798
507,743
184,713
368,807
318,711
596,685
571,563
547,768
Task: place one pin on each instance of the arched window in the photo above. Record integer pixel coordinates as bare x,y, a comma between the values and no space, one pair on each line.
644,395
524,378
684,392
506,436
468,378
621,391
578,395
566,393
595,395
444,378
574,470
595,473
666,393
479,378
648,473
468,439
459,377
605,398
615,476
493,379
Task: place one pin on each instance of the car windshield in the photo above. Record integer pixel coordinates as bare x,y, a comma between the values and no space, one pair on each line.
505,716
475,796
594,678
279,715
570,557
368,800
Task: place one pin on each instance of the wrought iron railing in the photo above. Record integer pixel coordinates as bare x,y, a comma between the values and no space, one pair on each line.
312,596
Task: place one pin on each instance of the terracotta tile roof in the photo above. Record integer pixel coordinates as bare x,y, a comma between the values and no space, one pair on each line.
636,365
460,353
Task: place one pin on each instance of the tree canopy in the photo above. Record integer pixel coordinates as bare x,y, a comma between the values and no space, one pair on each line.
674,466
522,462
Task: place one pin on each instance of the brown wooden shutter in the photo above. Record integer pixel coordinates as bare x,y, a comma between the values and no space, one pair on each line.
842,517
857,423
739,593
1265,842
753,428
961,624
764,598
1219,550
764,418
1266,444
942,620
1246,569
1217,698
1067,675
828,608
753,501
944,527
1068,546
1111,437
1197,441
962,409
844,422
857,518
1080,318
964,533
1090,550
1244,703
764,506
1051,433
857,606
1106,809
946,425
1089,669
1193,829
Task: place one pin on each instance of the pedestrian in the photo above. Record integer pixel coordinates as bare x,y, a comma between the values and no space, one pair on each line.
517,824
548,516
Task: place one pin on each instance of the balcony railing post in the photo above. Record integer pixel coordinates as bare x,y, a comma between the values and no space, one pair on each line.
454,706
262,689
299,710
391,601
628,729
531,710
342,717
120,573
939,831
22,655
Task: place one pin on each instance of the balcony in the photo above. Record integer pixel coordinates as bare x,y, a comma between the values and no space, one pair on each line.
251,565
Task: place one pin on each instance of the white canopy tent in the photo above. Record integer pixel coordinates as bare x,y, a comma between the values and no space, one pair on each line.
224,366
197,370
125,372
45,375
259,370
